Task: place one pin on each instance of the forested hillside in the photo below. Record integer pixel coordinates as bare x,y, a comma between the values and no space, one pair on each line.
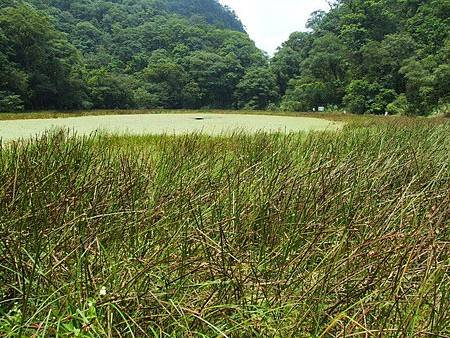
367,56
363,56
123,54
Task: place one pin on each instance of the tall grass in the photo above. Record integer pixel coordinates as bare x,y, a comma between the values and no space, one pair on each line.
324,234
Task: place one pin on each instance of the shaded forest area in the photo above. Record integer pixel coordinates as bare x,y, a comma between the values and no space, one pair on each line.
364,56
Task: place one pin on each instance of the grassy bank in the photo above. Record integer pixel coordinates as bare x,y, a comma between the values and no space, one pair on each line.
324,234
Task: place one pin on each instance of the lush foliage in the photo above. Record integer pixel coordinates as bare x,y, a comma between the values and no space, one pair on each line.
370,56
39,67
364,56
123,54
328,234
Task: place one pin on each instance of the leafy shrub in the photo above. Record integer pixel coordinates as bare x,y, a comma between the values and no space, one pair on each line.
144,99
442,110
304,95
399,106
332,108
272,107
365,97
10,103
357,96
87,105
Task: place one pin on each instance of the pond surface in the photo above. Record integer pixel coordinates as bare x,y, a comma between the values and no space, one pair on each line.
211,124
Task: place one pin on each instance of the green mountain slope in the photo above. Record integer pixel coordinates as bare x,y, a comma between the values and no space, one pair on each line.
208,10
105,13
125,54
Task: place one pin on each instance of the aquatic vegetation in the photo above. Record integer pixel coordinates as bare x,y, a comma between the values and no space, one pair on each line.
318,234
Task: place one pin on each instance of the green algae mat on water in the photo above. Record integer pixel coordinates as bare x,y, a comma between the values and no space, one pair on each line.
211,124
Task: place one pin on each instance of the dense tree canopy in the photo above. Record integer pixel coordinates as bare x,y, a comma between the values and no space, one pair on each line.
364,56
122,54
369,56
40,67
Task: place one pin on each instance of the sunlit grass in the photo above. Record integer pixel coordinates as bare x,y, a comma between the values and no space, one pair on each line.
322,234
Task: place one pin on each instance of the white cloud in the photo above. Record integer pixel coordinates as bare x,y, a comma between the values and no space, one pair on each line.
270,22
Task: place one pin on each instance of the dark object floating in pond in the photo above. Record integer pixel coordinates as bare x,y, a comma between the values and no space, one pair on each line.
199,118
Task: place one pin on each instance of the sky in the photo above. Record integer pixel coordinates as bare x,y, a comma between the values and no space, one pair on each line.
270,22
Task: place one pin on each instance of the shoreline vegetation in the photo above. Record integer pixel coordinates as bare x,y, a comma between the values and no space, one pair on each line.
319,234
333,116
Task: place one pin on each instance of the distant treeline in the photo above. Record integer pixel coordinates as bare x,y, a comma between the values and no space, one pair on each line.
365,56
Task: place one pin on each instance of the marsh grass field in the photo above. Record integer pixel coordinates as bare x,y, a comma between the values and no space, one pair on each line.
323,234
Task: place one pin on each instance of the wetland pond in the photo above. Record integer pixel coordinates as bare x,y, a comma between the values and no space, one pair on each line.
157,124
